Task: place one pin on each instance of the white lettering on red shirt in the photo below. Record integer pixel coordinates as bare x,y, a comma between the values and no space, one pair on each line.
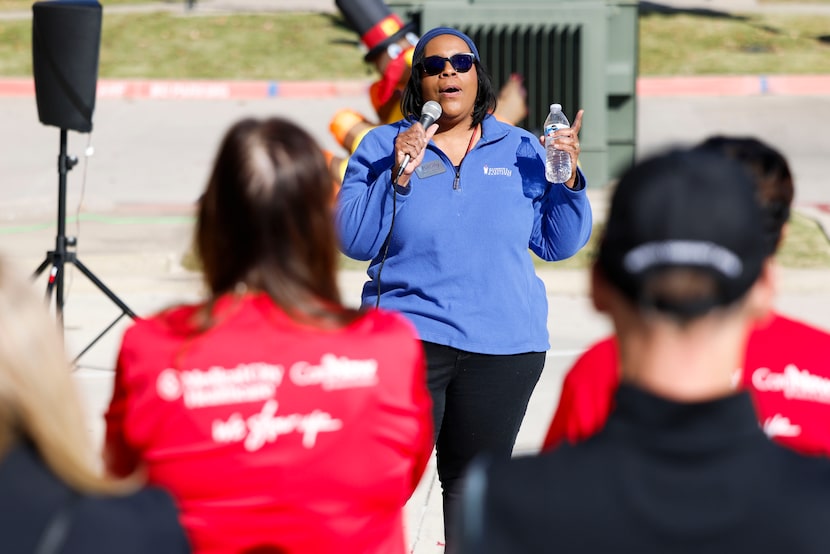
793,383
217,386
266,427
780,426
335,373
258,382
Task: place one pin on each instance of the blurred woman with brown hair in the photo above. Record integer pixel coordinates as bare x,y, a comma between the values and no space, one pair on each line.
51,496
279,418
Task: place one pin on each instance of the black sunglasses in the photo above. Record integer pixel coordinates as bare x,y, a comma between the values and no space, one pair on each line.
433,65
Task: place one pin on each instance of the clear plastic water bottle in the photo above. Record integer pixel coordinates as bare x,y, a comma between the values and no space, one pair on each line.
557,162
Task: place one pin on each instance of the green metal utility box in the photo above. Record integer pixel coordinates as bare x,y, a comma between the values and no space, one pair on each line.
579,53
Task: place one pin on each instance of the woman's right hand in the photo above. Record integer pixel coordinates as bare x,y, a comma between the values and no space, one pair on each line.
413,143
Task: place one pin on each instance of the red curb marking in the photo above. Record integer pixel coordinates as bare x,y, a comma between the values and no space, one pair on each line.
799,84
298,89
698,86
202,90
17,87
738,85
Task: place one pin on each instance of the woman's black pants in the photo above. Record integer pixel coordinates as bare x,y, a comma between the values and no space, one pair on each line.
478,403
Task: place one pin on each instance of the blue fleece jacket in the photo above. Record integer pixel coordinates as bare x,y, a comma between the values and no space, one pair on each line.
458,264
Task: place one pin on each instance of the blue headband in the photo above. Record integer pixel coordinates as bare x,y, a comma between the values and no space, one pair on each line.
438,31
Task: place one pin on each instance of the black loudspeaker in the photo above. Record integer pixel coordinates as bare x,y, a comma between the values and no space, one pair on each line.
66,39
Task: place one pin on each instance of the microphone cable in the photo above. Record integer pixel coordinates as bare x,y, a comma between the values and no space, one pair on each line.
430,112
385,246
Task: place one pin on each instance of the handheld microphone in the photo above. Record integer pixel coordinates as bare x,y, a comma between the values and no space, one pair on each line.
429,115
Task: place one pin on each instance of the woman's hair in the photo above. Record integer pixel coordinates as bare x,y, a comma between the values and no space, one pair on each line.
38,399
772,176
412,100
266,221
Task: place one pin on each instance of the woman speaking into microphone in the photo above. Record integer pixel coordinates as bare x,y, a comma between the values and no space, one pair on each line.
448,216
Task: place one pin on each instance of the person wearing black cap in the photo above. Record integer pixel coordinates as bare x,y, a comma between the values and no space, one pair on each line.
448,216
785,369
682,464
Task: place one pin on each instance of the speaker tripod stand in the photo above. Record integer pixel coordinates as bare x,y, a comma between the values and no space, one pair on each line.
61,255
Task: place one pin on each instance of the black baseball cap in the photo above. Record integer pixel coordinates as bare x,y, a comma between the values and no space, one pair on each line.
690,209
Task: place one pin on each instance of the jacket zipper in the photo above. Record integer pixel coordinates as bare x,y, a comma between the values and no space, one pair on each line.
456,184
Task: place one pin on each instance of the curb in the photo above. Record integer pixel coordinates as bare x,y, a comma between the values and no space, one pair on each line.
201,89
740,85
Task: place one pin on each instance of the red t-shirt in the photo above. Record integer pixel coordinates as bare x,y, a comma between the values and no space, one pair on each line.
587,396
786,371
270,433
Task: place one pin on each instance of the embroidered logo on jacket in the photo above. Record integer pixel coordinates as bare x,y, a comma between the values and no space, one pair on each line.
497,171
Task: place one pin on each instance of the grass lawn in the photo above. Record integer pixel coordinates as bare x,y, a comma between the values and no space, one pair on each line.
176,45
292,46
752,44
805,246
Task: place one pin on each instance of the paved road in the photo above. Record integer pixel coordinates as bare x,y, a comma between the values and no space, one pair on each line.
158,151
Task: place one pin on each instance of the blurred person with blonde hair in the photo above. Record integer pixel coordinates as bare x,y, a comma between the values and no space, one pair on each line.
52,497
